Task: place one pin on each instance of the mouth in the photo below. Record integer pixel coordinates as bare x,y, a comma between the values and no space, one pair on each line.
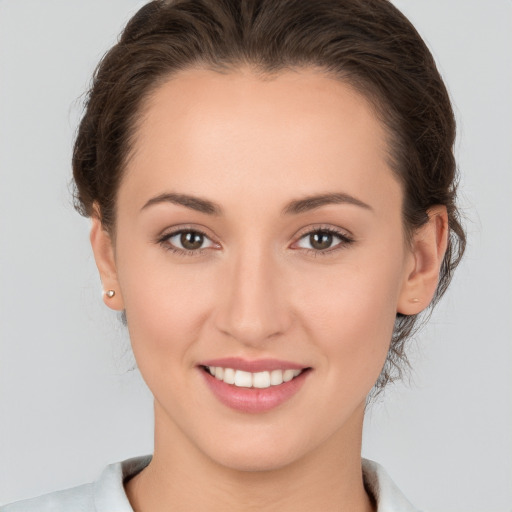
269,384
258,380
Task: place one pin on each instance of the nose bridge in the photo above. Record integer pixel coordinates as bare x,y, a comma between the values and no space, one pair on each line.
252,309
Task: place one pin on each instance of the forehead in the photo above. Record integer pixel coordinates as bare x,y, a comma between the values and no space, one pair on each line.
298,132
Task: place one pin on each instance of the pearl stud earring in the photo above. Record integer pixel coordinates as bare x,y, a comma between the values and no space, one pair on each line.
415,299
110,293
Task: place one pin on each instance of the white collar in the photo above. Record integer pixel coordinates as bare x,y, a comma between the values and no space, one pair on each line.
387,495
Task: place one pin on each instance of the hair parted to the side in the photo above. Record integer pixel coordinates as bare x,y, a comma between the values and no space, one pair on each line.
366,43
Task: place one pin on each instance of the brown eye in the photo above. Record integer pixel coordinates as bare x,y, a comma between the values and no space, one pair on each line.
191,240
324,241
320,240
187,240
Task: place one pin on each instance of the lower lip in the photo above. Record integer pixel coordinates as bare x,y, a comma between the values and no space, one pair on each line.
254,400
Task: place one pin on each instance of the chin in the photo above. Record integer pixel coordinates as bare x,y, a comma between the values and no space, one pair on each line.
255,460
262,447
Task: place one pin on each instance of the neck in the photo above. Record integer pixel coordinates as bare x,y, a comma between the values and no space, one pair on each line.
180,478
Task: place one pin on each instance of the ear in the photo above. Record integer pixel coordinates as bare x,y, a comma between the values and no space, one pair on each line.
103,249
428,247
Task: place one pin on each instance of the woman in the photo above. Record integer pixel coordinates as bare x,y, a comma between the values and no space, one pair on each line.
272,192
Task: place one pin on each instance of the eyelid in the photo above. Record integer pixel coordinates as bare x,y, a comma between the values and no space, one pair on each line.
168,233
178,228
313,228
345,237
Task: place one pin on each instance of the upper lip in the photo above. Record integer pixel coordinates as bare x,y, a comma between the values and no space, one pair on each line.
258,365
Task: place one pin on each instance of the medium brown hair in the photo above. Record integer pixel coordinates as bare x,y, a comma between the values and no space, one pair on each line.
368,44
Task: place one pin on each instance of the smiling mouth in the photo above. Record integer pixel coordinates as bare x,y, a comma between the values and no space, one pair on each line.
258,380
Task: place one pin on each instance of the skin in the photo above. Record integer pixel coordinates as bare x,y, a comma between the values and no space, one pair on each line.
259,289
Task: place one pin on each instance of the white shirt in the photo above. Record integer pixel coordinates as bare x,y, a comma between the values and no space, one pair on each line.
107,493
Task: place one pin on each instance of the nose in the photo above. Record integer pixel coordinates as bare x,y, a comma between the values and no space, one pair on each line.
253,307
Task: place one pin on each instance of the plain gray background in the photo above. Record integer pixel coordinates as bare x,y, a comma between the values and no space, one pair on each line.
69,405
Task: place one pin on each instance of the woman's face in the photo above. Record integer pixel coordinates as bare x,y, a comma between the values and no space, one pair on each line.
259,229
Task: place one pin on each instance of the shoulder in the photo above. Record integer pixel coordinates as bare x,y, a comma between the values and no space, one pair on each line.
387,495
104,495
77,499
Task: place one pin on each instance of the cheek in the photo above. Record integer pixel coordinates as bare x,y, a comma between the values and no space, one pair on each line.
350,313
165,307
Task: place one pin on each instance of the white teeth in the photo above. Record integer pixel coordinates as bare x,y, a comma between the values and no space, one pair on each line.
276,377
243,379
288,375
259,380
229,376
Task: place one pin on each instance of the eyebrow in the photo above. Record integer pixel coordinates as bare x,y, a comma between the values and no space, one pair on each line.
192,202
293,208
313,202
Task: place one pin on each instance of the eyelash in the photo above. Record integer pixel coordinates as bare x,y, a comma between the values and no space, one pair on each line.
345,241
164,241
